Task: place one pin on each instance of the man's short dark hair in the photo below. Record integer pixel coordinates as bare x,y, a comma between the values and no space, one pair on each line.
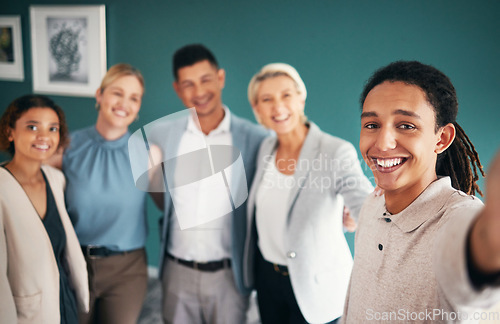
191,54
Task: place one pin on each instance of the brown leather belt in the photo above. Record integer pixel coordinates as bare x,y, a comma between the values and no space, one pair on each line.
283,270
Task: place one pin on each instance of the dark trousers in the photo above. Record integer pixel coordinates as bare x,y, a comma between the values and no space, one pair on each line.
277,303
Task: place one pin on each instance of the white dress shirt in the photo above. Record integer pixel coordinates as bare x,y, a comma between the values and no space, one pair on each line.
210,241
271,213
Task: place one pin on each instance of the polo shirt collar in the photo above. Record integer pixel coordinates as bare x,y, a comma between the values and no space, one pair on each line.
425,207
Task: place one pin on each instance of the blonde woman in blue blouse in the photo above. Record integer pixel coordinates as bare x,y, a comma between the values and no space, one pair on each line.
107,210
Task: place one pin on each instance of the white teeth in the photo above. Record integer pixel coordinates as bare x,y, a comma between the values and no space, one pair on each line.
120,113
387,163
281,117
42,147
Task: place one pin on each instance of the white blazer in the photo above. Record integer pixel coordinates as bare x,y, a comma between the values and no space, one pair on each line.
319,259
29,277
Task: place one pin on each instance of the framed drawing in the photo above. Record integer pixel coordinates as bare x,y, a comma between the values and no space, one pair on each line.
68,48
11,49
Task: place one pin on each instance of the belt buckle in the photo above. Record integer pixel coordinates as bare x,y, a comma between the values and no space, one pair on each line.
88,249
195,265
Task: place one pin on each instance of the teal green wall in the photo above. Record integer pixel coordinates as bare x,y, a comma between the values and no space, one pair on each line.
334,44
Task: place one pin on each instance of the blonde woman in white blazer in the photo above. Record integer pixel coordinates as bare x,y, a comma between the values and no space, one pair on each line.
296,254
37,240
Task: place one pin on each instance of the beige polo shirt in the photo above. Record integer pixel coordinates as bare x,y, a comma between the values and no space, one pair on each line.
395,278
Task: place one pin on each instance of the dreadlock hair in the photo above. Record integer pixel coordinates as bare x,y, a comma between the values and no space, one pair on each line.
460,161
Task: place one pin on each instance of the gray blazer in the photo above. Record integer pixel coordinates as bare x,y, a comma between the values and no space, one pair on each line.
328,175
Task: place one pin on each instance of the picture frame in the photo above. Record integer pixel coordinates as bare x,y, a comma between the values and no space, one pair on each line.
68,48
11,49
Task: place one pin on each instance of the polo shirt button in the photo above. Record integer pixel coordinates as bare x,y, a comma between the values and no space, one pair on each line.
388,220
291,254
380,247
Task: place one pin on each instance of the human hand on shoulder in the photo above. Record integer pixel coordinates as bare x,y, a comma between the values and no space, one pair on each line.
349,222
378,191
56,159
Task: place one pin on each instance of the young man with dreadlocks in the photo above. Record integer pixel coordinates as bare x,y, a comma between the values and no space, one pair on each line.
421,254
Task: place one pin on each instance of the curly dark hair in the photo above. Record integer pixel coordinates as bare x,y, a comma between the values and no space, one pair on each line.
21,105
460,161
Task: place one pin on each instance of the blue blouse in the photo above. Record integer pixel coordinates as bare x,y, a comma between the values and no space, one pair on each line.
102,201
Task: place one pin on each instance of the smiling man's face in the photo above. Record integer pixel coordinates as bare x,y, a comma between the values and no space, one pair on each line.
200,86
398,137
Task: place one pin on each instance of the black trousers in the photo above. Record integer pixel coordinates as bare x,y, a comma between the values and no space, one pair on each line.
277,303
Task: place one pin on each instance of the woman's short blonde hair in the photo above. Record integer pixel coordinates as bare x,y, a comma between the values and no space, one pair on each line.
119,70
271,71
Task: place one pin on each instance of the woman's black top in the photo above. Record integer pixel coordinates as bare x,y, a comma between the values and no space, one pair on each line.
57,235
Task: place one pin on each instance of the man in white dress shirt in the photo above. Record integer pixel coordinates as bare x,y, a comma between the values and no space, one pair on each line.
200,266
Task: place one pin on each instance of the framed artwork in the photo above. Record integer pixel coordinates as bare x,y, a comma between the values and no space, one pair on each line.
11,49
68,48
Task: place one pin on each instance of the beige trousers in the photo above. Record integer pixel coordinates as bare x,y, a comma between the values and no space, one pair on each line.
118,285
194,296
